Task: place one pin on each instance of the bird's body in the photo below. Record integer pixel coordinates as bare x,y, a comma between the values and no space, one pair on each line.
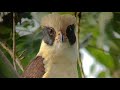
57,57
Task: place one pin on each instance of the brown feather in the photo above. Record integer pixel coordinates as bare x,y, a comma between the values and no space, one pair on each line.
35,69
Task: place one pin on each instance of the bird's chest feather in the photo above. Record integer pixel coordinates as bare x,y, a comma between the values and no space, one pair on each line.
60,69
60,66
59,62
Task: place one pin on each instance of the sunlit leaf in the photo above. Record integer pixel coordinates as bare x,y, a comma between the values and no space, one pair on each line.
102,57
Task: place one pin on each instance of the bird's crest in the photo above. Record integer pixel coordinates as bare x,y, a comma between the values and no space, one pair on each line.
59,22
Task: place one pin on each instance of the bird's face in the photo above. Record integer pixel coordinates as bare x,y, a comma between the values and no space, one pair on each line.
59,30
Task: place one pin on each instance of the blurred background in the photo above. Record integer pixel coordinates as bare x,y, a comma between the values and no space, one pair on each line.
99,42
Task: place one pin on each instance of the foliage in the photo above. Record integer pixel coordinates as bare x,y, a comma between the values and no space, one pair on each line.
102,44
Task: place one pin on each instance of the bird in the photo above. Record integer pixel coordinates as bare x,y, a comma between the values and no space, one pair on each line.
57,56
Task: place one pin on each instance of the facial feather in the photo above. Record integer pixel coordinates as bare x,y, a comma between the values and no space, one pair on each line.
59,22
62,52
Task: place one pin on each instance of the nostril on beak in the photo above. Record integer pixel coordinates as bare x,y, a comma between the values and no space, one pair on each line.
63,38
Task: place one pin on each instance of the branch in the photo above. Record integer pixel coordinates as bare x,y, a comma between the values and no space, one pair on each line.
11,54
14,47
78,15
9,68
6,48
86,40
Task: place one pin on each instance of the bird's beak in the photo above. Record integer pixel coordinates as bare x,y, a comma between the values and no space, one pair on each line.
62,37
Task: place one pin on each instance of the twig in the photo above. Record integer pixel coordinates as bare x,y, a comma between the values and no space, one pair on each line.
11,54
86,40
6,48
78,15
4,58
14,47
22,53
7,62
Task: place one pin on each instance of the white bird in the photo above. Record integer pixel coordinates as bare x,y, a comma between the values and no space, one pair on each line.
57,57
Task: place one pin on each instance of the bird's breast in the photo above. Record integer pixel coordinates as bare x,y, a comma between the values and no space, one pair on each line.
59,62
60,67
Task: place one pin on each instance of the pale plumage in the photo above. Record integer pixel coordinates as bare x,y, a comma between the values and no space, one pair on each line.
58,47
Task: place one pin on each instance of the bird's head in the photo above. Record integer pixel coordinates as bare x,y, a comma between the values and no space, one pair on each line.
58,32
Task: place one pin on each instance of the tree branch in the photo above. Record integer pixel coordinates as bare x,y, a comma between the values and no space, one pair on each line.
11,54
8,65
78,16
14,47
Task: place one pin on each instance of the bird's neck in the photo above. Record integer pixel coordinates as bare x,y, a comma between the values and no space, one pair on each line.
59,63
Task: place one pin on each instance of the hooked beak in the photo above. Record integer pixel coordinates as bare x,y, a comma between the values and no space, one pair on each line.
62,37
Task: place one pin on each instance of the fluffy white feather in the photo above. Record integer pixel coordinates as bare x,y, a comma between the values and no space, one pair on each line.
60,59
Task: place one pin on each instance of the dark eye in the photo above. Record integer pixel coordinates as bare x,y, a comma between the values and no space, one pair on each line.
51,31
70,28
71,34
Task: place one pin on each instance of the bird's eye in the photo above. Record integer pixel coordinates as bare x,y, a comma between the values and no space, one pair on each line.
50,31
71,34
70,29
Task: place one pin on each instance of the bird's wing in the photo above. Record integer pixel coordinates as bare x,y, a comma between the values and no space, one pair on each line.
35,69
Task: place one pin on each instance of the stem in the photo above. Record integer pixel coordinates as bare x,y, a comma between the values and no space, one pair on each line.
11,54
14,46
8,65
6,48
4,58
78,15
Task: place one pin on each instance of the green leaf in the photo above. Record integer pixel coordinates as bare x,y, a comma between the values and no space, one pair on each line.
102,57
30,44
5,33
116,22
6,68
102,74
